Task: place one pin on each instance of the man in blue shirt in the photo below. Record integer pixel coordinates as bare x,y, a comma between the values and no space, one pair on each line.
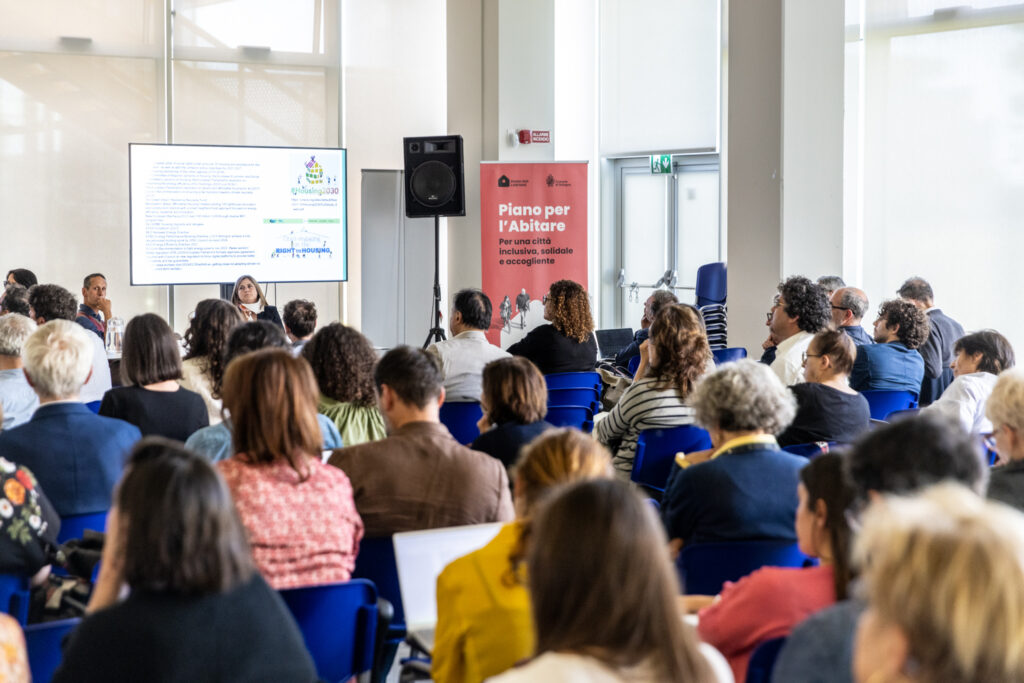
892,363
17,399
94,302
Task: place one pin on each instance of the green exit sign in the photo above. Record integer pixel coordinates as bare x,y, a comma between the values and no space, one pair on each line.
661,163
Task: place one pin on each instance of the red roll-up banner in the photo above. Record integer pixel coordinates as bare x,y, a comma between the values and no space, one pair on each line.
533,231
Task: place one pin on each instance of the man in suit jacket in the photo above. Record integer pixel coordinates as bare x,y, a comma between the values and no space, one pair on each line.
77,456
892,363
937,351
849,305
420,477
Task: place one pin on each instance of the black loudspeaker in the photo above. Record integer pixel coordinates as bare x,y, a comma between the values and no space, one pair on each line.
433,177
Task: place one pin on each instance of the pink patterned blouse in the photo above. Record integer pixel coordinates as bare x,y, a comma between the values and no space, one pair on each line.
302,533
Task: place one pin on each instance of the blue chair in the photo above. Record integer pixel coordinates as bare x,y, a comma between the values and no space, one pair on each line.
587,398
810,450
882,403
656,451
43,642
376,563
573,380
74,526
633,364
712,284
339,624
762,661
729,355
14,596
461,419
571,416
704,567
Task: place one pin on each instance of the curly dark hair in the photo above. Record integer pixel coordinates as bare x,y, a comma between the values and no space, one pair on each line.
681,348
208,332
246,338
15,300
806,301
52,302
342,360
299,316
571,310
913,323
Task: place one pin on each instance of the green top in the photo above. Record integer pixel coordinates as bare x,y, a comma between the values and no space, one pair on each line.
357,424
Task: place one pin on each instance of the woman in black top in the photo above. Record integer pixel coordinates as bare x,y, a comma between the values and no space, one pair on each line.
198,611
567,344
152,399
515,401
249,298
827,408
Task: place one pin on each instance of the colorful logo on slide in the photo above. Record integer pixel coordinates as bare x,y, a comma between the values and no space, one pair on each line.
314,172
317,177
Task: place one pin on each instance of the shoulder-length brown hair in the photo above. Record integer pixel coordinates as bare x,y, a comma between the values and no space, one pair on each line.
271,398
514,391
571,310
681,348
602,584
180,532
208,332
259,291
150,353
343,359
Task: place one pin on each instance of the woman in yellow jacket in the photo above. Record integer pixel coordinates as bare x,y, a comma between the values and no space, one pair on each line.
484,624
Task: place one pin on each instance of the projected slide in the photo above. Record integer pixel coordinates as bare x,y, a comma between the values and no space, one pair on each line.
206,214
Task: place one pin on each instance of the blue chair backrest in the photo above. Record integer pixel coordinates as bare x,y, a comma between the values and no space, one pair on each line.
586,398
900,414
656,451
461,419
339,624
14,596
882,403
43,642
376,562
704,567
729,355
810,450
632,365
762,661
711,284
573,380
74,526
571,416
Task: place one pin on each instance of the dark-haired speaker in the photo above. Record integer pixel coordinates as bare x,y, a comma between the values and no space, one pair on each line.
464,356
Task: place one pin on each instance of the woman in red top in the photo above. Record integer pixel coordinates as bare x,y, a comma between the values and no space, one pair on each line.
771,601
302,521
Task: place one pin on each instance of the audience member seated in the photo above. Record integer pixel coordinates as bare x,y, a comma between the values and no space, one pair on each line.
903,457
343,360
14,300
980,357
206,338
17,400
515,401
152,399
677,356
769,346
567,344
196,610
53,302
1005,410
29,524
827,409
849,305
483,607
653,304
937,349
944,579
464,356
277,471
13,655
771,601
22,276
94,303
800,311
830,284
76,456
603,595
745,487
299,319
214,442
892,363
420,477
248,297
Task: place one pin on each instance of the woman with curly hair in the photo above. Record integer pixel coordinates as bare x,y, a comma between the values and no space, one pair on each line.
342,360
206,339
567,344
678,355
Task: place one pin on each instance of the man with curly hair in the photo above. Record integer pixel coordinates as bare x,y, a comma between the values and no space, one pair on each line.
892,363
937,350
801,310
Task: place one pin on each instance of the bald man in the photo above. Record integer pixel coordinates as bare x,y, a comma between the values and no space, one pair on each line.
849,305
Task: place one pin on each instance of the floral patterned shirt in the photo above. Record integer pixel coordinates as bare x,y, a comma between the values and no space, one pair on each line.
27,521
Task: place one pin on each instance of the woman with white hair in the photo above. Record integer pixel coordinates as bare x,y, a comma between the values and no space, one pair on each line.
17,400
1005,409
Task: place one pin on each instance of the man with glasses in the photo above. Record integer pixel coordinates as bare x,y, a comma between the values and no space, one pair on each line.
801,309
849,305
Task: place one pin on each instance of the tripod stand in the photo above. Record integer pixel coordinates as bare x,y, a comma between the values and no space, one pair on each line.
436,333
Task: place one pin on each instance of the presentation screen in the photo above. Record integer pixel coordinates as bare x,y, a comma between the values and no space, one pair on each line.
204,214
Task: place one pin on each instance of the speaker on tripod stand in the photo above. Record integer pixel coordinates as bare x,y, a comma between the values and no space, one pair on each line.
434,186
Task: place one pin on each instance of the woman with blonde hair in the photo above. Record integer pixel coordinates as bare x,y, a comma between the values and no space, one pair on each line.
1005,409
944,579
483,607
567,344
248,297
678,354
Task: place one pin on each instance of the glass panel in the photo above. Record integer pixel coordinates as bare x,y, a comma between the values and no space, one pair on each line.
644,235
107,21
293,26
697,203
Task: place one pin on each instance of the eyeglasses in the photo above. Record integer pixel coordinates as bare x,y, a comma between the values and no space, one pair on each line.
841,308
811,355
